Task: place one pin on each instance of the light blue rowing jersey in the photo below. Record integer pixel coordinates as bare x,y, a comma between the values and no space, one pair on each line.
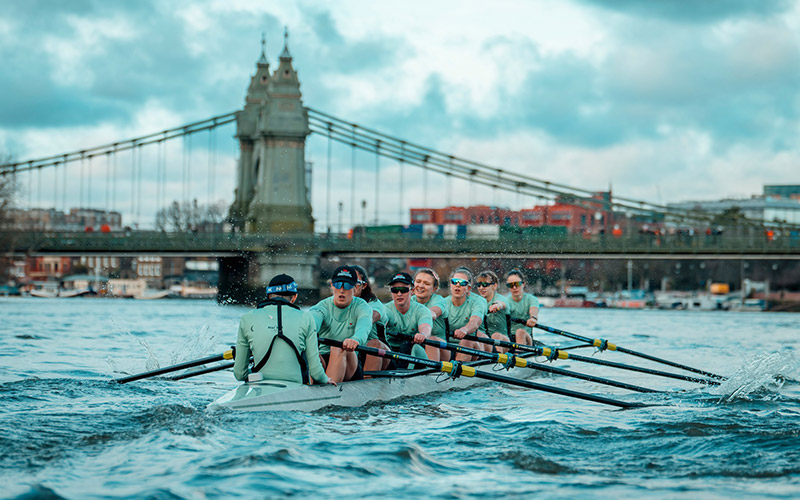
436,300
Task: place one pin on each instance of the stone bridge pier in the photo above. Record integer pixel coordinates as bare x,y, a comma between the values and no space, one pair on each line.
272,196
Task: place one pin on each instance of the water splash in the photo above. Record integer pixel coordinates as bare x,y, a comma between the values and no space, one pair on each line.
198,344
763,373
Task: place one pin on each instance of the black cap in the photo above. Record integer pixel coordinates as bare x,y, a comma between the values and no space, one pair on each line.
401,278
282,284
345,274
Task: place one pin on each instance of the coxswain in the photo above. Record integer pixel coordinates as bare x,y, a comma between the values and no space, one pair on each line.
426,283
346,318
465,312
407,319
281,338
496,323
521,306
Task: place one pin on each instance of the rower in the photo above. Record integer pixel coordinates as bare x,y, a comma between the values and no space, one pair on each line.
363,289
426,282
496,323
521,306
281,338
466,311
346,318
407,318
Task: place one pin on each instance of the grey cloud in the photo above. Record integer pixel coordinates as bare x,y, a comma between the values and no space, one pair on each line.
335,53
694,12
671,81
158,64
726,91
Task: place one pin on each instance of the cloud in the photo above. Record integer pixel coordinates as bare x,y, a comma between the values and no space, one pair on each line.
637,94
701,12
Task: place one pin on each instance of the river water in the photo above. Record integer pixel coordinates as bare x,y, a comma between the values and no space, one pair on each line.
68,431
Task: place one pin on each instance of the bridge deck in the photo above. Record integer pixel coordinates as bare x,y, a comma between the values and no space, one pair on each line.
521,246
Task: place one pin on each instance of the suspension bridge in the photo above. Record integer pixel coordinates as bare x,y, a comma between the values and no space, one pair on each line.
279,159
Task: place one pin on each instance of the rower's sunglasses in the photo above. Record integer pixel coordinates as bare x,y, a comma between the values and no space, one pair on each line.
400,289
513,284
341,284
481,284
458,282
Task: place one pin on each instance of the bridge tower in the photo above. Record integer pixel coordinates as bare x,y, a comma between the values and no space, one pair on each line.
271,193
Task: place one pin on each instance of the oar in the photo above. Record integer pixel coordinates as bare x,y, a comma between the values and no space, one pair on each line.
555,353
511,360
604,344
180,366
202,371
456,368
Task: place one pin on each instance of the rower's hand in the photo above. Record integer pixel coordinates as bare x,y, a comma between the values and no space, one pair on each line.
419,338
331,382
460,333
349,344
495,307
531,322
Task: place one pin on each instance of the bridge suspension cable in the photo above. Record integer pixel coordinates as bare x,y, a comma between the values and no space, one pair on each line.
453,167
124,145
83,186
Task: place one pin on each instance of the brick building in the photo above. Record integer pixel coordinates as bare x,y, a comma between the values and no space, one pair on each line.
577,217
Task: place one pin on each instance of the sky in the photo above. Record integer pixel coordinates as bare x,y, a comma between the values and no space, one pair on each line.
660,100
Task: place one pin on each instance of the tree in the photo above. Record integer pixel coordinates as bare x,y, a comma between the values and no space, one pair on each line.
732,220
8,192
185,217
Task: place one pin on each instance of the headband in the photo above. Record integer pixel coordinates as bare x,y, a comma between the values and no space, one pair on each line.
287,288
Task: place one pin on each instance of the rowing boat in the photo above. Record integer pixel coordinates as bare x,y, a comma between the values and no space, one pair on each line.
274,395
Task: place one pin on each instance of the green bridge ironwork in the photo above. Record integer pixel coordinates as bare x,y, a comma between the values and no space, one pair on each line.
641,246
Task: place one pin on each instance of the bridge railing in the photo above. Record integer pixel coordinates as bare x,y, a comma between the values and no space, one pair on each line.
154,242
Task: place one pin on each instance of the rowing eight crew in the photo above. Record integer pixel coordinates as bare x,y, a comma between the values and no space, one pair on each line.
283,340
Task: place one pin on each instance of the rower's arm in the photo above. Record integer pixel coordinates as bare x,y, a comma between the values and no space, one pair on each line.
533,316
315,368
318,313
473,324
425,322
363,323
425,329
241,363
436,311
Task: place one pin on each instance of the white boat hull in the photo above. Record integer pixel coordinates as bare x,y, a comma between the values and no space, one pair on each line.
273,395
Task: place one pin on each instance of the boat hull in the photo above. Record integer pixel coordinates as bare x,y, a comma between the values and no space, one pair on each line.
276,395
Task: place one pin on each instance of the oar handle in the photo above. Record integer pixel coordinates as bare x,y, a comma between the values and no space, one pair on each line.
180,366
439,365
503,343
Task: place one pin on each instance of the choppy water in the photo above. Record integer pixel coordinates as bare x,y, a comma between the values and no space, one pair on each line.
67,430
